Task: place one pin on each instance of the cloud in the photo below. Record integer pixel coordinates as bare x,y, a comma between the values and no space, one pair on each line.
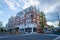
28,3
12,4
44,5
48,6
50,9
52,14
55,23
57,9
1,12
49,2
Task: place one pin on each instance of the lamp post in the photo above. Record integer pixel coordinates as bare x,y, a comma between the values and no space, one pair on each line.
58,19
25,29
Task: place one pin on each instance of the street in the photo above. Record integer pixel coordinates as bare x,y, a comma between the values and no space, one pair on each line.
27,37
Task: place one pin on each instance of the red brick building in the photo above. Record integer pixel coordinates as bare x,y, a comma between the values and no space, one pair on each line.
28,20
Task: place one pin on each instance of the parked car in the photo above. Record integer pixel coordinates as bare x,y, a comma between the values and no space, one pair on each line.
56,31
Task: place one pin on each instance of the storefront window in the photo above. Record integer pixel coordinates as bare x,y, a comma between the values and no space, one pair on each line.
28,30
34,29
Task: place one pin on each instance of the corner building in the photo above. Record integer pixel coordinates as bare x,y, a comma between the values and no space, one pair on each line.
28,21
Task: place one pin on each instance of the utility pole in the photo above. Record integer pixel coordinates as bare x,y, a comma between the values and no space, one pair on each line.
58,19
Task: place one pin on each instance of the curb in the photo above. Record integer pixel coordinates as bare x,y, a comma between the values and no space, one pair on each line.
57,38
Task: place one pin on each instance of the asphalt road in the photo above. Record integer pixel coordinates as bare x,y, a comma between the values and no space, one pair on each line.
27,37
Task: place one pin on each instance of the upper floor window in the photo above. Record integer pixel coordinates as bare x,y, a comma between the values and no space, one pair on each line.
28,20
28,16
23,11
37,17
34,10
32,15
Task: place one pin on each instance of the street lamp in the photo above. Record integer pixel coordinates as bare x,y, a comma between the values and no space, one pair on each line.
58,19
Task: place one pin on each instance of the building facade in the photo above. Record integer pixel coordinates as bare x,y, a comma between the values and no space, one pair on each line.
28,21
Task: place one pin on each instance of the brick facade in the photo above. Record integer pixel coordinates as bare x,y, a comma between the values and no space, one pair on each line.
27,20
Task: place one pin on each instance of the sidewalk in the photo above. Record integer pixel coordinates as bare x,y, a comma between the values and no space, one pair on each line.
58,38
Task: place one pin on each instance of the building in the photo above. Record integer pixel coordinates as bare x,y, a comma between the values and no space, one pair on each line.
10,24
48,29
28,21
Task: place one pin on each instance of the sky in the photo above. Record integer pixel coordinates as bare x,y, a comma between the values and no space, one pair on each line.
9,8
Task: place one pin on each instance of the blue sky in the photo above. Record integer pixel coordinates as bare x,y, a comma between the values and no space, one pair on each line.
9,8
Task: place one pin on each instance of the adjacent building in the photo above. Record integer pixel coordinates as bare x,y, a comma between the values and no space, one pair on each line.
26,21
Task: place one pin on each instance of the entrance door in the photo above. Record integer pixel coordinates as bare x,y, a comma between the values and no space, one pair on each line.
28,30
34,29
17,30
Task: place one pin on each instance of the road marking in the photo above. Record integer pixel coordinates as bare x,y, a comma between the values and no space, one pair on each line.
8,36
52,35
4,37
56,38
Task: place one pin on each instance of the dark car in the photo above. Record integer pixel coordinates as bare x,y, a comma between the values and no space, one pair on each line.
56,31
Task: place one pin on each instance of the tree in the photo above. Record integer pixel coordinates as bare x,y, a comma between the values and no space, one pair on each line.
59,23
42,20
1,25
51,26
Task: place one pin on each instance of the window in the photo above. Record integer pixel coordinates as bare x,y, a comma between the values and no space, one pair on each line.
33,9
17,14
23,11
27,10
30,8
34,29
32,15
28,21
21,21
28,16
34,19
37,17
